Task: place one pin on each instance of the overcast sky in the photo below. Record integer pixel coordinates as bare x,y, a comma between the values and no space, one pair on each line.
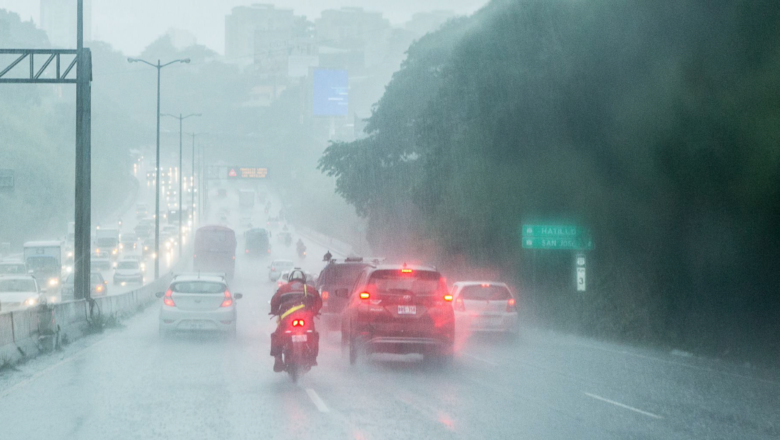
130,25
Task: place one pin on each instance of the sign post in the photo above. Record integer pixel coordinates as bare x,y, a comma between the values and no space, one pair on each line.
580,272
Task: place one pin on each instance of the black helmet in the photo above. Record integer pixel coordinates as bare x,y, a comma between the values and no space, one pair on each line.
297,275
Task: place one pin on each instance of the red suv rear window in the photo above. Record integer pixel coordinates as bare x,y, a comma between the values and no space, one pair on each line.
395,282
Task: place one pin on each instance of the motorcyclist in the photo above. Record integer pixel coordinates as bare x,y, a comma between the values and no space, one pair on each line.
301,246
327,257
287,297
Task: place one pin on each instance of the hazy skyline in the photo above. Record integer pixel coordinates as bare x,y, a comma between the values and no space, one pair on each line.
130,25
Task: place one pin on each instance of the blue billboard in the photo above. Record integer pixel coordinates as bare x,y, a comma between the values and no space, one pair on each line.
330,92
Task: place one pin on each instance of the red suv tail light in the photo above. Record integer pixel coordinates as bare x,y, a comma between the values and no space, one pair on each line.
447,297
228,300
510,305
365,295
168,300
459,306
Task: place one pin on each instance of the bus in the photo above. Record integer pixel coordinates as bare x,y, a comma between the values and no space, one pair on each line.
215,250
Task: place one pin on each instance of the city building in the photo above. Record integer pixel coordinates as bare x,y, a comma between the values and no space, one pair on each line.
364,33
58,20
257,31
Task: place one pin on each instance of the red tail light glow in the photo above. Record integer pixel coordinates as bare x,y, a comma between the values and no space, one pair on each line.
510,305
228,300
365,295
448,297
325,295
167,300
298,323
485,285
406,270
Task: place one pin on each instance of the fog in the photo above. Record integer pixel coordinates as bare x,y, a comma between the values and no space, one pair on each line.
430,219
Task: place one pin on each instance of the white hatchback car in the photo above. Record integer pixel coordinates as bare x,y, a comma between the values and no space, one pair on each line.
484,306
196,302
128,270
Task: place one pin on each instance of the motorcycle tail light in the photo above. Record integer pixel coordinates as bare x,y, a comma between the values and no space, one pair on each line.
298,323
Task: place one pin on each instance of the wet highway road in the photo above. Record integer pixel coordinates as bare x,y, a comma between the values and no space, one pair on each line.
127,383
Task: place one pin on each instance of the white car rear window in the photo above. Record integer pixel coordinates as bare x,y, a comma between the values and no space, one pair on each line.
198,287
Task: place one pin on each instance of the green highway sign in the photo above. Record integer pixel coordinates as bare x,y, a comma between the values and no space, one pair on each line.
558,231
574,243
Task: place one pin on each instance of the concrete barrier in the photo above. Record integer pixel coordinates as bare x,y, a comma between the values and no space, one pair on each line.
22,331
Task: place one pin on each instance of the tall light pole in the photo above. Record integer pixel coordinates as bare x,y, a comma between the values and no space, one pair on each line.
192,185
159,67
181,170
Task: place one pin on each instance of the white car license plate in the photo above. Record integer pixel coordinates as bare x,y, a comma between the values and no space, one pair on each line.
407,310
299,338
196,326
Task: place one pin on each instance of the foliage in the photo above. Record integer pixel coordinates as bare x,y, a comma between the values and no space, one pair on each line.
653,125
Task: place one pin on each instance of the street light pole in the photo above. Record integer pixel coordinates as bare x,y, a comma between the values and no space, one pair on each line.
181,170
192,184
159,67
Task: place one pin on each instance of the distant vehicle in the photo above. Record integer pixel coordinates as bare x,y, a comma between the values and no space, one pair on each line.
198,302
107,242
128,271
18,292
44,259
337,275
246,199
144,230
273,221
256,242
12,268
129,242
100,262
97,286
399,309
276,268
141,210
284,237
285,277
485,306
215,250
148,247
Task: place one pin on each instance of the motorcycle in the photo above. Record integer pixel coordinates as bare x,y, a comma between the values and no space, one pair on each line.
300,342
302,251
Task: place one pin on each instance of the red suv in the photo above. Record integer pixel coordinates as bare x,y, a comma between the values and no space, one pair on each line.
399,309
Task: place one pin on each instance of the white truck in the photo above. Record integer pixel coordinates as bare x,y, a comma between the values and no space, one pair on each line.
44,261
107,242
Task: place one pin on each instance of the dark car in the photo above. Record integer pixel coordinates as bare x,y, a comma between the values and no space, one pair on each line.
399,309
256,242
338,276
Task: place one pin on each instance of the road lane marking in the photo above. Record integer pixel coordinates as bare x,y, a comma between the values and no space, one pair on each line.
476,358
603,399
315,399
38,374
